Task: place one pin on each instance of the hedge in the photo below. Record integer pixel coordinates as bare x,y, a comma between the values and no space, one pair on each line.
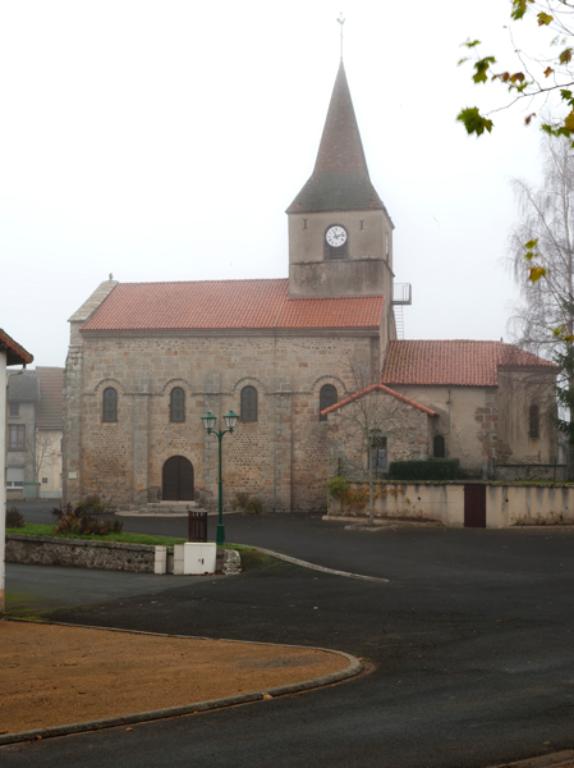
425,469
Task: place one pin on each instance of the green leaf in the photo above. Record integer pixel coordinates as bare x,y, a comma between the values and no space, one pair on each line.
473,121
519,8
471,43
569,122
565,56
531,244
544,19
481,69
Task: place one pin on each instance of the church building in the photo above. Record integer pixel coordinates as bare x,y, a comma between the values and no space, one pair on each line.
300,359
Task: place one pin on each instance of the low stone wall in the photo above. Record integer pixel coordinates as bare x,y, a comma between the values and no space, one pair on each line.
106,555
506,505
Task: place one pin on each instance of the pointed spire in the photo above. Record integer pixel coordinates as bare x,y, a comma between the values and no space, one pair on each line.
340,180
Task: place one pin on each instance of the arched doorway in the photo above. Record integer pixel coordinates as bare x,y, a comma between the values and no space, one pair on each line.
177,479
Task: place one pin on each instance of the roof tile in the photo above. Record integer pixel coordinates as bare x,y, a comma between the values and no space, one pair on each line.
227,304
456,363
378,388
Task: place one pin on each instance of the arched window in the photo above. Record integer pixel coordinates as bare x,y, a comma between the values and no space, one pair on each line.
177,405
534,422
109,405
438,447
327,396
248,407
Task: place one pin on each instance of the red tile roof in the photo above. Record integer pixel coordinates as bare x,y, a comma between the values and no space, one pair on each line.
456,363
378,388
15,354
227,304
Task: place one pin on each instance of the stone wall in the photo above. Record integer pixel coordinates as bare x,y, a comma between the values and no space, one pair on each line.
506,505
282,457
486,425
109,556
408,432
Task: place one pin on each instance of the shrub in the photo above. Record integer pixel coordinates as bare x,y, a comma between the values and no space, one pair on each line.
338,487
425,469
14,518
247,503
84,518
254,506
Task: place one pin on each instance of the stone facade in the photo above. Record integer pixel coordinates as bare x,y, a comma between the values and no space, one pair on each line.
485,427
406,429
282,457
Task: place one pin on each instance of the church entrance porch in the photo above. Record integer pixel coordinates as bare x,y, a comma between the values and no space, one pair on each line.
177,479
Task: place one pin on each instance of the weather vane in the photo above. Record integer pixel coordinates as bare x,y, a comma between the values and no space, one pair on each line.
341,21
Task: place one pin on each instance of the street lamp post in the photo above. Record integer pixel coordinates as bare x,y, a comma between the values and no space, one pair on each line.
209,422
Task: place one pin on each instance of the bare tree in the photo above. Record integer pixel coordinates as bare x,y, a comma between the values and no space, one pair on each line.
546,318
370,417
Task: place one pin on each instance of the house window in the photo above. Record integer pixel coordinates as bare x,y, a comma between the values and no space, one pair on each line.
534,422
16,437
438,447
14,409
109,405
248,406
177,405
378,456
327,397
14,477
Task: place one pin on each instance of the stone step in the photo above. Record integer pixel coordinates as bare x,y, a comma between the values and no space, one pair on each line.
170,507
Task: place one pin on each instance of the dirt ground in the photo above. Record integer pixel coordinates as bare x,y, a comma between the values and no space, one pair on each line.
52,675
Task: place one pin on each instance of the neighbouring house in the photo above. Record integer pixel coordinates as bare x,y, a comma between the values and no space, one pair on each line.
146,360
35,423
11,353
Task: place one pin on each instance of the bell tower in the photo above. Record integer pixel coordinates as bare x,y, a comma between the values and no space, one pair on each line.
340,234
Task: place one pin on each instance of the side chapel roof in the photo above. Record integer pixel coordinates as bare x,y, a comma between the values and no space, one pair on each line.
456,363
384,390
227,305
340,180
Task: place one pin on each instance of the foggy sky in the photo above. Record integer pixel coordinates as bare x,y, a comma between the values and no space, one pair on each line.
164,140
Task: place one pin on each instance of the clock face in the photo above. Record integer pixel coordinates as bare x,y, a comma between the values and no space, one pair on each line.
336,236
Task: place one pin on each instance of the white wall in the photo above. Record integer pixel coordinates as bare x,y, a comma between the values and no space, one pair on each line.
506,505
3,384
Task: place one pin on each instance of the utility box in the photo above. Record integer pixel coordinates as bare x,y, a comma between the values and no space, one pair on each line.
194,558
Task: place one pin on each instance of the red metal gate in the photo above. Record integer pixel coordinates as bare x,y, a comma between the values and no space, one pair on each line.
475,506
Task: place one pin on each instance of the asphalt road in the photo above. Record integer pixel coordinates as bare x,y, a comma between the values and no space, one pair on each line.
471,644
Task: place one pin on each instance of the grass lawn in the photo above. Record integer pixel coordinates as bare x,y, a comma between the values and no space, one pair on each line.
36,529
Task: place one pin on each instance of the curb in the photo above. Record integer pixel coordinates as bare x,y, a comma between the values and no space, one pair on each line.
320,568
564,759
352,670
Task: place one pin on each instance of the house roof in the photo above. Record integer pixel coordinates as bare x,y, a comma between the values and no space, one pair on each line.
340,180
227,304
50,411
457,363
23,387
15,353
378,388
